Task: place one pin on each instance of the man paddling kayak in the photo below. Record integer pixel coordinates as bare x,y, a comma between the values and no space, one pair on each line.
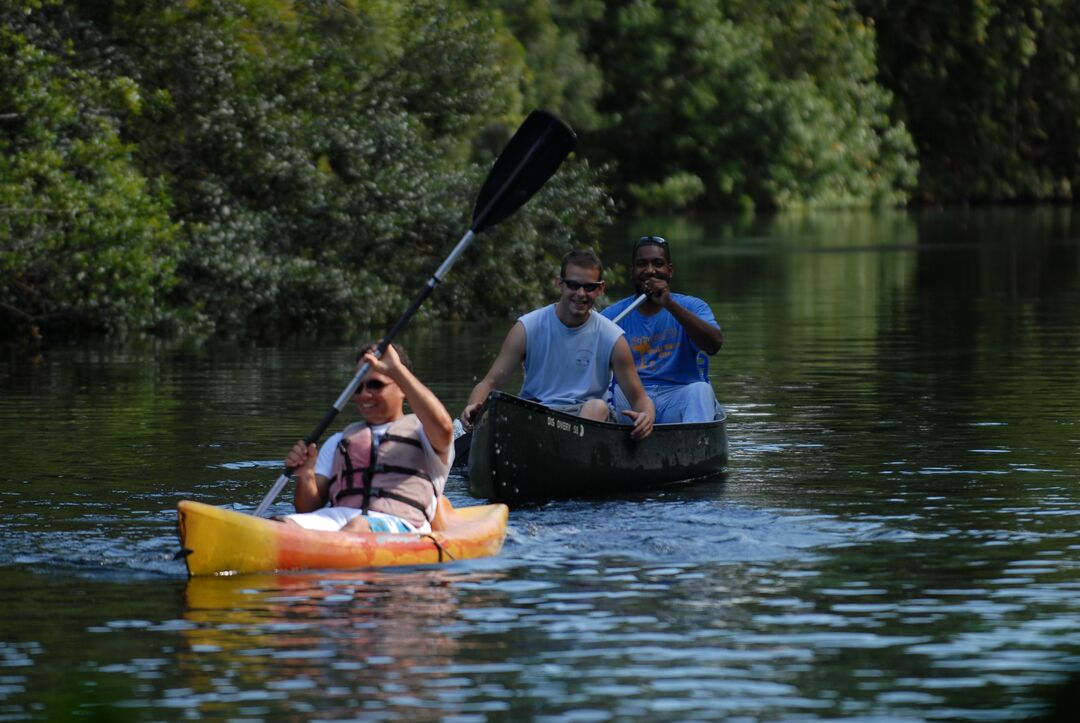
383,474
670,335
569,354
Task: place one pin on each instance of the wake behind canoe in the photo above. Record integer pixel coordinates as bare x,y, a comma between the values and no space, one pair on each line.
219,541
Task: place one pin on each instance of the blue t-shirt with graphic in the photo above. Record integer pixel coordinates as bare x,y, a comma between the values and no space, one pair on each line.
663,352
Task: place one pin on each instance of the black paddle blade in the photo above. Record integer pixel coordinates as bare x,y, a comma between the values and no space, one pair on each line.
530,158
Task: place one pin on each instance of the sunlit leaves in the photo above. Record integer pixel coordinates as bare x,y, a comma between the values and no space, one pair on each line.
299,165
85,240
768,103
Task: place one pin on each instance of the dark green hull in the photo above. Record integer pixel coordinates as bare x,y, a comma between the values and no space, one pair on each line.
521,450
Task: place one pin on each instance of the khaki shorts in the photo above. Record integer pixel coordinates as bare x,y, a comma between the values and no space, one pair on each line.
575,409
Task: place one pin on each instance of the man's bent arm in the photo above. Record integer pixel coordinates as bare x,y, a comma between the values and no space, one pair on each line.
644,412
508,360
708,338
437,422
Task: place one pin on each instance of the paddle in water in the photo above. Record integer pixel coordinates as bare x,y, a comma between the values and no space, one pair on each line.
530,158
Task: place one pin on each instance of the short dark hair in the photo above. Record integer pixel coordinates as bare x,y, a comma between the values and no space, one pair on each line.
658,241
585,258
402,354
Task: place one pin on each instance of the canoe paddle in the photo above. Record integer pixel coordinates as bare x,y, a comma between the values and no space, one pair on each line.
530,158
630,308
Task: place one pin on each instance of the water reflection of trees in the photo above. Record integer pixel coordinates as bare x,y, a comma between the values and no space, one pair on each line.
339,643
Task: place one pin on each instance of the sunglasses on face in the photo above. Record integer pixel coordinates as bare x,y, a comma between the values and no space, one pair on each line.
371,385
589,286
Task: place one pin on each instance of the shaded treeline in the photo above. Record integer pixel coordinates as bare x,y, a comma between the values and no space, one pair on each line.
270,166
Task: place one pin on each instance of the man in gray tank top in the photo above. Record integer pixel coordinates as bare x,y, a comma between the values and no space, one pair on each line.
569,353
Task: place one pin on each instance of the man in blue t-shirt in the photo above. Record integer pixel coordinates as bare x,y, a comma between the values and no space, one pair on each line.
669,335
569,354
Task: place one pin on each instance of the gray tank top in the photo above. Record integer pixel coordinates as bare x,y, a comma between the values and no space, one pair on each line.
565,366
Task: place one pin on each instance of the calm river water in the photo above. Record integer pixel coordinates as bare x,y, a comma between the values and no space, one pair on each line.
896,538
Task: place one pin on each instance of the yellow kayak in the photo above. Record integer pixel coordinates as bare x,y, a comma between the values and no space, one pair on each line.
219,541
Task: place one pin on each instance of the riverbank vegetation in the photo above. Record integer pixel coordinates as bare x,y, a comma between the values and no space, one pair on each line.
263,167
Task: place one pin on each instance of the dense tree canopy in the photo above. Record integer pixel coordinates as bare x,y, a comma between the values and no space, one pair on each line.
746,103
990,90
315,162
84,236
269,166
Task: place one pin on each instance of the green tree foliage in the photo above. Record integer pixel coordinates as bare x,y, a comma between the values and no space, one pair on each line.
768,103
268,166
323,154
990,90
549,37
321,158
85,240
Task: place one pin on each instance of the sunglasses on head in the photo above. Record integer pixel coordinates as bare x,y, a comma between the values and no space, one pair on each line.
589,286
658,240
371,385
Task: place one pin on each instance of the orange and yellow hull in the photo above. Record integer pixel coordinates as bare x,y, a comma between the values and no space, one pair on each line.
219,541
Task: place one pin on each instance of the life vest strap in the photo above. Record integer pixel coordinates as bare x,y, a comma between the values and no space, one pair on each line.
380,492
394,469
404,440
